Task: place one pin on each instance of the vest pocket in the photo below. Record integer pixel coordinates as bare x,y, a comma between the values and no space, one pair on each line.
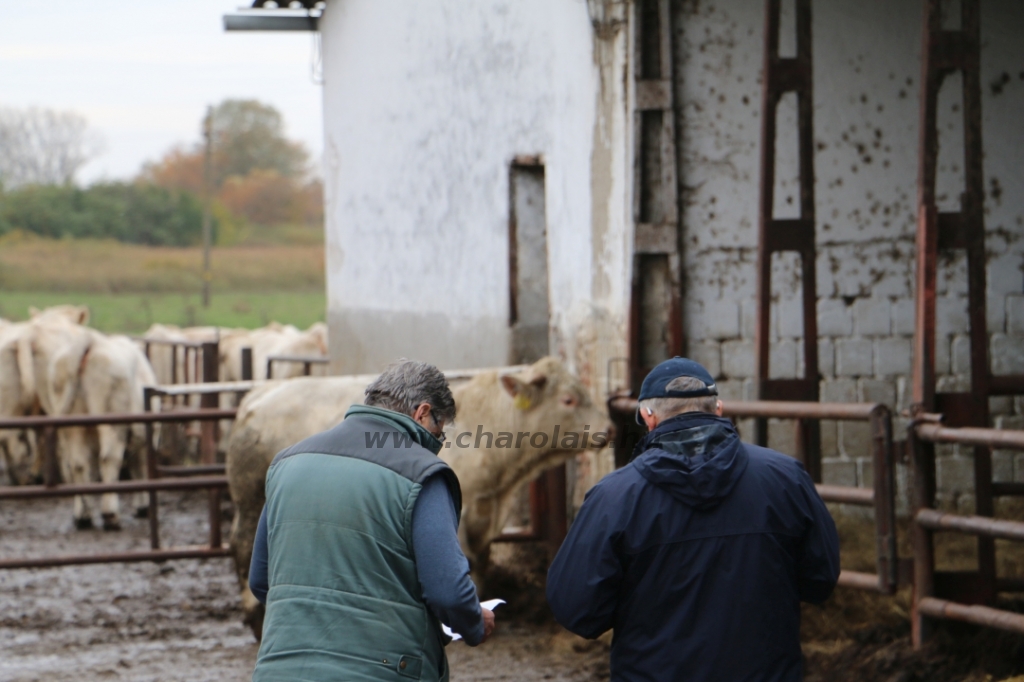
409,666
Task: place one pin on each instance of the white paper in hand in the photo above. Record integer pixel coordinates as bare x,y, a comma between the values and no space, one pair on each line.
490,605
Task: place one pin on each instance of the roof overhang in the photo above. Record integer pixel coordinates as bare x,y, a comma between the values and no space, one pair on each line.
266,15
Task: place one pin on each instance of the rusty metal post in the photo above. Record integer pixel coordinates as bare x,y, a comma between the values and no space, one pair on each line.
538,507
307,368
556,525
247,364
885,499
781,76
152,472
945,52
923,497
208,430
174,367
270,368
47,442
208,434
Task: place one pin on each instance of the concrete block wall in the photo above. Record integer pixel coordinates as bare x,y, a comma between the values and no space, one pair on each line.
867,66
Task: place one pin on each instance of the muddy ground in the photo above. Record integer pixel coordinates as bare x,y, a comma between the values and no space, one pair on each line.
181,620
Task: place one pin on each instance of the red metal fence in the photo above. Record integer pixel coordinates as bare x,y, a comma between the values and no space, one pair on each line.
185,479
965,593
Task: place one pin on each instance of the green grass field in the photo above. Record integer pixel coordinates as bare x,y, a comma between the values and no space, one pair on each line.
134,313
129,287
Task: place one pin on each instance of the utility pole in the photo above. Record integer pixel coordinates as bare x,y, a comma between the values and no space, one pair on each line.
207,196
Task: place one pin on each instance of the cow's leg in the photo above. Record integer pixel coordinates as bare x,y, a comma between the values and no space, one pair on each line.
248,496
19,455
73,449
243,532
254,612
140,501
135,459
112,442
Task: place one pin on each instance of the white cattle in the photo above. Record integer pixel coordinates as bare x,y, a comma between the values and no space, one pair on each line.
17,399
515,415
77,370
273,340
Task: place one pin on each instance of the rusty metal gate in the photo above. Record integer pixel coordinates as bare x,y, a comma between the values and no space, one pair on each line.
196,478
948,595
192,357
952,44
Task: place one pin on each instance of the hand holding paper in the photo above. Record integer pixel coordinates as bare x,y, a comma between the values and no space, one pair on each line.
490,605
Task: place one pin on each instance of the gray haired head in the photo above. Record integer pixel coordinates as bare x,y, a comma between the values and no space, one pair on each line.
406,384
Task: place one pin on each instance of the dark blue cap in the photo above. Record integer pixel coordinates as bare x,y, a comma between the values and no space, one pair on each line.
655,384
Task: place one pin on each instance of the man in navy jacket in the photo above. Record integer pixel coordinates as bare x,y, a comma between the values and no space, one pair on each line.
699,552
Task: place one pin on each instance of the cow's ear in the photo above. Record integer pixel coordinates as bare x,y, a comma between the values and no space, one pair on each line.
524,393
83,314
513,385
539,381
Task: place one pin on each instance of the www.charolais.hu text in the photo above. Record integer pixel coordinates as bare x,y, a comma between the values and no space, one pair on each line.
557,440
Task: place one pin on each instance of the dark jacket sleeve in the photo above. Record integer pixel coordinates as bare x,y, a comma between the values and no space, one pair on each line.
583,582
441,567
258,578
818,567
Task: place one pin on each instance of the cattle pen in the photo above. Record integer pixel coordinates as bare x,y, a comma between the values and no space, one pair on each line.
184,478
548,499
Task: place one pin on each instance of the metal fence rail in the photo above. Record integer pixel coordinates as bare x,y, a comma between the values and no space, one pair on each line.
882,494
186,478
307,362
962,603
194,357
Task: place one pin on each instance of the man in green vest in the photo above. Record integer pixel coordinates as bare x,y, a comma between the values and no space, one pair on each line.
357,555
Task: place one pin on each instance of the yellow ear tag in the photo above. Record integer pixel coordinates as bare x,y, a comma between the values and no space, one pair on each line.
522,402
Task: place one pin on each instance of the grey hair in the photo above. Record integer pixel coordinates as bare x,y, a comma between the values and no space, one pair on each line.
406,384
670,407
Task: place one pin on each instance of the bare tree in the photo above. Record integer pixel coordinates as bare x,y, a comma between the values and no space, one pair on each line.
43,146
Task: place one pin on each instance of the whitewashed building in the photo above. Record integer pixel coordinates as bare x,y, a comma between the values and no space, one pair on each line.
477,176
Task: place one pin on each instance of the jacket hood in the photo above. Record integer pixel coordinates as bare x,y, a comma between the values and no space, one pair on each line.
697,457
399,422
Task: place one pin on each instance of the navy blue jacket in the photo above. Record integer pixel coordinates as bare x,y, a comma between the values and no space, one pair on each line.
698,554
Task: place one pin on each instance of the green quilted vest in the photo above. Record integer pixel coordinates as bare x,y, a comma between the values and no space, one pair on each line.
344,600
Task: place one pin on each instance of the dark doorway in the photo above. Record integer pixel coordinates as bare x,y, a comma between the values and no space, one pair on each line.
529,309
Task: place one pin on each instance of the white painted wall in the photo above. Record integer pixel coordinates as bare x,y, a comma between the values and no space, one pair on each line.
425,106
866,89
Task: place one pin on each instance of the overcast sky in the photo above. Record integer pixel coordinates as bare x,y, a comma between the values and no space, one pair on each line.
143,72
